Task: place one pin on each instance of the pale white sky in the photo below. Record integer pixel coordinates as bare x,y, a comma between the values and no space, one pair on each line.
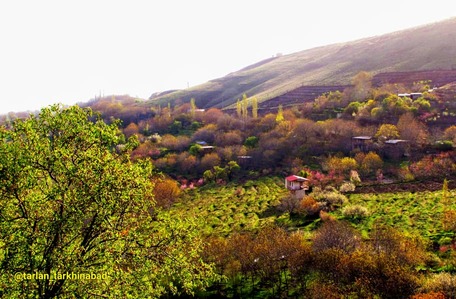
69,51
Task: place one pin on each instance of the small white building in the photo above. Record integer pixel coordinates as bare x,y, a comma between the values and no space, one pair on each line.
413,95
297,185
294,182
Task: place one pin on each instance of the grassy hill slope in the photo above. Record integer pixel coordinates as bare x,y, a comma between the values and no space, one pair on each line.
428,47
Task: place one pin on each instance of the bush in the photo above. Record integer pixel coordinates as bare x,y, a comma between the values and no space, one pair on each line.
289,204
431,295
341,166
309,206
355,211
442,282
330,197
449,220
336,236
166,192
371,163
404,174
347,187
433,166
354,177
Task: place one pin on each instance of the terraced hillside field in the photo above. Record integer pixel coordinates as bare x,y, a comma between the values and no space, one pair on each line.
301,95
222,210
438,78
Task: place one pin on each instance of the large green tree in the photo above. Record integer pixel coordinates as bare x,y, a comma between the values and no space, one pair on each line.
72,204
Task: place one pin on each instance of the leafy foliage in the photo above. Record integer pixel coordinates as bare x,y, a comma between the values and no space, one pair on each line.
230,208
71,204
355,211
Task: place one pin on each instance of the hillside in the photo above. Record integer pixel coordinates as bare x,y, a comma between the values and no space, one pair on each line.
424,48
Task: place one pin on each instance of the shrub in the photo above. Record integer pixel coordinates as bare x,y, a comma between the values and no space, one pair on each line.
330,197
336,235
166,192
449,220
437,166
354,177
431,295
309,206
450,133
441,282
320,290
371,163
404,174
251,141
347,187
355,211
289,204
341,166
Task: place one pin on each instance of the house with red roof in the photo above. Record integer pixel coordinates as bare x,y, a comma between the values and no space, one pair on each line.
294,183
297,184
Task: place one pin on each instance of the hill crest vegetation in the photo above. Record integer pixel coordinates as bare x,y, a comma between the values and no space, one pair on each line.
423,48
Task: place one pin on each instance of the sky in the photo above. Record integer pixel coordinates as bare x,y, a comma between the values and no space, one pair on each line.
59,51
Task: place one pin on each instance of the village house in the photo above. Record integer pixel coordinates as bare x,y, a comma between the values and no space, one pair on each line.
396,149
413,95
362,143
297,185
205,149
244,161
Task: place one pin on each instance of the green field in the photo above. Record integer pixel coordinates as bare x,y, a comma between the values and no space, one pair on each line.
415,213
232,208
252,205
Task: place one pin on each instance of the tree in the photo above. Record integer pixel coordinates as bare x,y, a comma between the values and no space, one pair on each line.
239,108
71,204
208,161
187,162
412,130
352,108
341,166
228,138
221,173
232,168
449,220
450,134
174,143
290,204
144,150
336,235
387,131
371,163
254,107
251,141
206,134
328,198
131,129
212,115
192,107
245,105
166,191
303,137
279,117
362,84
